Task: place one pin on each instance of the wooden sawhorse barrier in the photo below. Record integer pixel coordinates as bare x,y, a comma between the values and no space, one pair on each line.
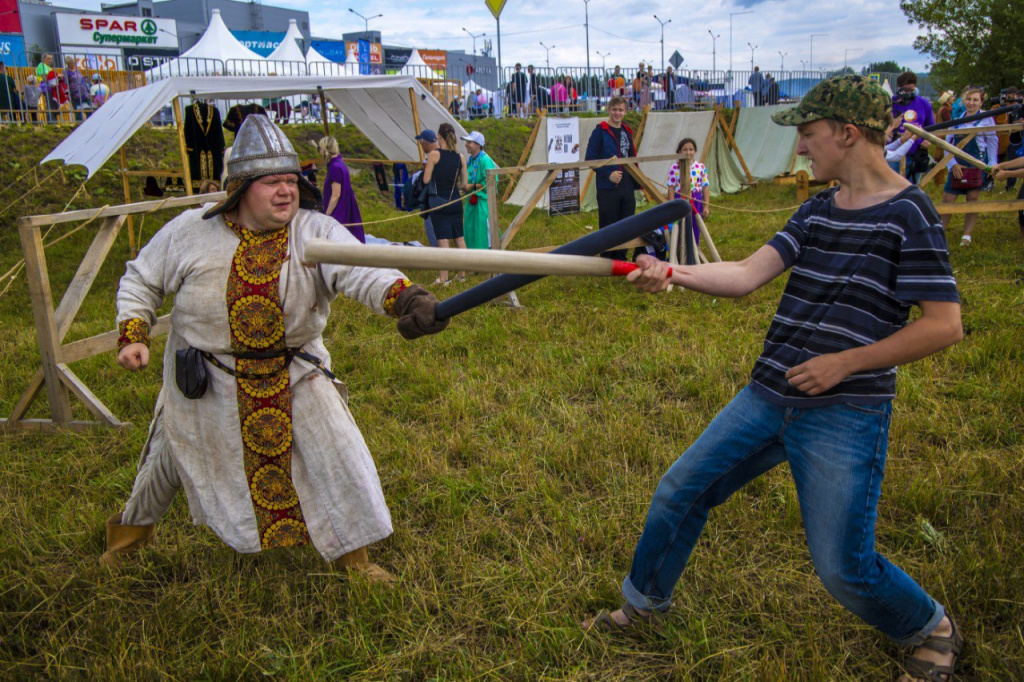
52,325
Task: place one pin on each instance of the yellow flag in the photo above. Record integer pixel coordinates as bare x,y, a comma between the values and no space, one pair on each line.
495,6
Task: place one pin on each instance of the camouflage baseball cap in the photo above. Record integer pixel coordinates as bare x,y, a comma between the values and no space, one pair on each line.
850,99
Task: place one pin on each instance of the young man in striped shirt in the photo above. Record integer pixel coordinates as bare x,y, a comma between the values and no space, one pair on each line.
820,393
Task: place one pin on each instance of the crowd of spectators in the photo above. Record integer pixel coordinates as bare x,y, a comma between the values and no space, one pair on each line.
50,94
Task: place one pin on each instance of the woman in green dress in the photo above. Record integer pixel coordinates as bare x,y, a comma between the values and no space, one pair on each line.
475,218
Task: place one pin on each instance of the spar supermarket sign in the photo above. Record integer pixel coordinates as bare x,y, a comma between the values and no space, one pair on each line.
111,30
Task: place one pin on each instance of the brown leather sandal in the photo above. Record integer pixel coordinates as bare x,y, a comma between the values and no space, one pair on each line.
604,621
920,669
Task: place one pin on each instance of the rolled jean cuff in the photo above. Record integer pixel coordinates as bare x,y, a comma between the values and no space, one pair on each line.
918,637
638,600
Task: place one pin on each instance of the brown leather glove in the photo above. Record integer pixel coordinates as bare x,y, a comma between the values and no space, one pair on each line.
415,309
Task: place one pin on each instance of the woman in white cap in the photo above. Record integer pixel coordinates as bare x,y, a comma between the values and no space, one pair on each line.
475,219
250,421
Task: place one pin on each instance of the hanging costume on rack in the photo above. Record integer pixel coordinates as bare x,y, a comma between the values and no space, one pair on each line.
238,113
204,142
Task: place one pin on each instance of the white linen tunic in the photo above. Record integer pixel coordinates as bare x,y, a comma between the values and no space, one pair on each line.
197,444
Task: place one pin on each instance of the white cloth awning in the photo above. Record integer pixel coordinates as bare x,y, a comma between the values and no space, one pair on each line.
378,105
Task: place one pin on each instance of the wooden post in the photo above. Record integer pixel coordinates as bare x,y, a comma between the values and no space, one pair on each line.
527,208
711,136
323,111
492,210
640,128
803,186
416,121
941,165
707,238
86,274
688,224
645,183
46,327
732,141
179,122
735,119
522,159
132,251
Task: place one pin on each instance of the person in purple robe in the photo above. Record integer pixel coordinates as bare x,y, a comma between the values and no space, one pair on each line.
918,111
339,199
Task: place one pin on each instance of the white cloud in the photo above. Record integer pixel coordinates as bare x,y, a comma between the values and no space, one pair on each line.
861,32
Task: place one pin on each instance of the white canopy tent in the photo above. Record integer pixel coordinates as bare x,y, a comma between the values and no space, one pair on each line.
416,66
471,86
217,52
287,59
380,106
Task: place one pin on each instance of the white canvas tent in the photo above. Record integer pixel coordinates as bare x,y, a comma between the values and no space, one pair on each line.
767,148
379,106
529,182
287,59
470,87
662,134
416,66
218,52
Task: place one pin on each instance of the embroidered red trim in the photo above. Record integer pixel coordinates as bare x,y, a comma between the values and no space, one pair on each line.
389,301
132,331
256,320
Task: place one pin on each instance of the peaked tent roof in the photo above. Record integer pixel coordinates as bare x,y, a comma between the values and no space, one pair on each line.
416,59
378,105
217,52
287,58
416,66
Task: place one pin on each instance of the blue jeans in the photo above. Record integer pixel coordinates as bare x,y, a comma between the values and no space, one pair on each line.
837,457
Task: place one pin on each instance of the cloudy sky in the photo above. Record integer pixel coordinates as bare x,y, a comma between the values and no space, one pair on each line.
861,31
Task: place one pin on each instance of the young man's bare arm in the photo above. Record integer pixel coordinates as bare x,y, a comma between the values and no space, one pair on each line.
938,327
1010,169
731,279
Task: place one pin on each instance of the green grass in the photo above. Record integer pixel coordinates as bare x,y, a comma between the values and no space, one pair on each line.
518,451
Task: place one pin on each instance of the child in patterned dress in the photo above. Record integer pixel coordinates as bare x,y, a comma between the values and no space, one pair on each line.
687,149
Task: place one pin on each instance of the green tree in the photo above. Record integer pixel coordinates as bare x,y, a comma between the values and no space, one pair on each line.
975,42
889,66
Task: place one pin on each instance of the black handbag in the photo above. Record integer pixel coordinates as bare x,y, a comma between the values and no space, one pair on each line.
190,373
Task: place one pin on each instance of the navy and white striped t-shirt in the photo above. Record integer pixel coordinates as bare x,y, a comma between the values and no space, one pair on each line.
855,276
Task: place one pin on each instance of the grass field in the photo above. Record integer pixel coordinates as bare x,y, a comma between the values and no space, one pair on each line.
518,451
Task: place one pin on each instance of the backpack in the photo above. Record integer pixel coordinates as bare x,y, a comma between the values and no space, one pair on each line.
415,193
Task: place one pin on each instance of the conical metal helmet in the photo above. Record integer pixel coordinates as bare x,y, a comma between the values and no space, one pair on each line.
260,149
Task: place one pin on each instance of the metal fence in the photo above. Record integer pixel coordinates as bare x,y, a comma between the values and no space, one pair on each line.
72,90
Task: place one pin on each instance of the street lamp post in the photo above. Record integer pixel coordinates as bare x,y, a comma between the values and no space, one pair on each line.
846,54
474,36
782,60
714,66
662,40
586,28
547,53
603,56
731,15
752,48
813,36
366,20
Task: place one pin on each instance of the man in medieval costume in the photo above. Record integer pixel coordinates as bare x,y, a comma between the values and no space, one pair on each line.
263,443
